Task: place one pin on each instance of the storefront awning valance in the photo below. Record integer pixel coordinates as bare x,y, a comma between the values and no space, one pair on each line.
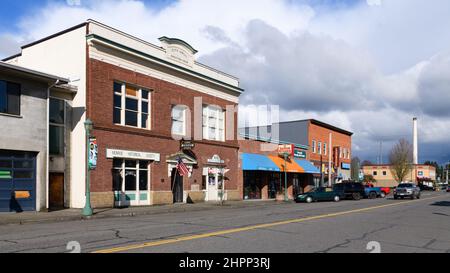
255,162
307,166
291,165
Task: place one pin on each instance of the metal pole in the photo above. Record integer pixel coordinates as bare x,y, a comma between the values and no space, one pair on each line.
285,179
87,210
329,162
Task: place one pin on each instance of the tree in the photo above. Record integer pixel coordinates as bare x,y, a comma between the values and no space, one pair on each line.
366,163
400,158
356,166
368,178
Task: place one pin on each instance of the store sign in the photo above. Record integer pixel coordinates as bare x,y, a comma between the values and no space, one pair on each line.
216,160
187,145
345,166
93,152
286,149
5,175
22,194
111,153
299,153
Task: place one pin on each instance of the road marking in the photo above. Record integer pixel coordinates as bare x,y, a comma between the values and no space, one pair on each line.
260,226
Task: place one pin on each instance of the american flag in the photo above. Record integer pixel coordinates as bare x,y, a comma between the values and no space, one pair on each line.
182,168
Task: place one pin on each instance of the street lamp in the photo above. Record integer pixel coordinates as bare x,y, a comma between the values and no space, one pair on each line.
87,210
285,177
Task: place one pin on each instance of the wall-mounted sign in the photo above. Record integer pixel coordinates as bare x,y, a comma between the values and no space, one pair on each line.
187,145
336,156
112,153
299,153
93,152
216,160
5,175
345,166
286,149
22,194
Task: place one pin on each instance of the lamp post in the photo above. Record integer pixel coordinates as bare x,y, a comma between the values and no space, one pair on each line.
87,210
285,177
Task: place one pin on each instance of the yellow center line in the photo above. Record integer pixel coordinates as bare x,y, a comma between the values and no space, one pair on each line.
260,226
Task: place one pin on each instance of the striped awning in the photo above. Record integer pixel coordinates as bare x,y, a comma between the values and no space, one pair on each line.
257,162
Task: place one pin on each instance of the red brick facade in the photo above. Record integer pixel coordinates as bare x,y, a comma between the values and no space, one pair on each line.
158,139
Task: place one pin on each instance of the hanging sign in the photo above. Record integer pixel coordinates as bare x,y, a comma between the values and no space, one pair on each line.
286,149
93,152
187,145
299,153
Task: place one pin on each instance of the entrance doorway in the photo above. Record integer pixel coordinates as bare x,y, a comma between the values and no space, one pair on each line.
214,187
131,180
177,186
56,192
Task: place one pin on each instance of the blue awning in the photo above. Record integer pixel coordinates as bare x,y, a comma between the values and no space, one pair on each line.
255,162
307,166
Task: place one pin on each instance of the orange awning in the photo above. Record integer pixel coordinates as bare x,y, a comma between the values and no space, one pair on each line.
291,165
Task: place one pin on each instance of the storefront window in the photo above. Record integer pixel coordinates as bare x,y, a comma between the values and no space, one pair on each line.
130,175
252,185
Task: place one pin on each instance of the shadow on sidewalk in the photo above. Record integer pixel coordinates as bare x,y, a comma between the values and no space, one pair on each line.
441,204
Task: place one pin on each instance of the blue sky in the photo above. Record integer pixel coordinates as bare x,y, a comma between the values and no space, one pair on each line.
12,10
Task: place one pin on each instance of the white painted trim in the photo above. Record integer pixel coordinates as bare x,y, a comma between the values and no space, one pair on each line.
96,54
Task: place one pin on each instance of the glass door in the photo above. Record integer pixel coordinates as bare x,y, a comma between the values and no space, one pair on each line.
130,181
212,187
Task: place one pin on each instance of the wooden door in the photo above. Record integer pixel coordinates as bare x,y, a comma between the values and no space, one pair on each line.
56,193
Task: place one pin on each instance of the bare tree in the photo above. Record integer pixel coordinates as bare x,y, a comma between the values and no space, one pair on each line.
401,159
356,166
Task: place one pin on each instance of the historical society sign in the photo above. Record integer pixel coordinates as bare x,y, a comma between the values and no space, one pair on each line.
111,153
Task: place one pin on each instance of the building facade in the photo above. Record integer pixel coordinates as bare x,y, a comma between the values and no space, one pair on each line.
326,146
263,170
385,174
33,113
151,106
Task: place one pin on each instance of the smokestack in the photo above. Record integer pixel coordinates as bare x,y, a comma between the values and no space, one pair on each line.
415,145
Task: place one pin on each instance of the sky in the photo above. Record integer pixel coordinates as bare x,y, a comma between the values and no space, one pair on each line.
368,66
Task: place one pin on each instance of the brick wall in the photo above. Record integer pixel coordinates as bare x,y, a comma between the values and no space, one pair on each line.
164,95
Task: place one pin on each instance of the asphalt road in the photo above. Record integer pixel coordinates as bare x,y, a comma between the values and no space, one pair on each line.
348,226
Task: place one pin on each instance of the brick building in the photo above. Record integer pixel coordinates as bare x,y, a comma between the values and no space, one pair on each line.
146,102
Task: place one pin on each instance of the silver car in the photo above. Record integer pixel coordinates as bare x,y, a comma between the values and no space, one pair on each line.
409,190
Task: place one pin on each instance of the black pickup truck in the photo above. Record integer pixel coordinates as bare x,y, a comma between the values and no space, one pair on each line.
350,190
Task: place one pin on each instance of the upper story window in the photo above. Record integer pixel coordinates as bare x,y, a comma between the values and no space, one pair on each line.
213,123
9,98
131,106
179,120
325,148
375,173
56,121
313,146
319,146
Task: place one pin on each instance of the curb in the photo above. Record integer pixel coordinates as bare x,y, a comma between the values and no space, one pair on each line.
134,213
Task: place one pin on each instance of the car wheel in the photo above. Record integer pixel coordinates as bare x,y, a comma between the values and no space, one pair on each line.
418,196
382,194
309,199
356,196
413,196
372,195
395,197
337,198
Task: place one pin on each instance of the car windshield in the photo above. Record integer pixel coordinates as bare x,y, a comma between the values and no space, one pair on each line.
405,186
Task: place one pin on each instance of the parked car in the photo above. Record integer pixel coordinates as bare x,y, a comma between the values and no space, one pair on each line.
385,191
425,187
380,191
448,188
350,190
372,192
409,190
319,194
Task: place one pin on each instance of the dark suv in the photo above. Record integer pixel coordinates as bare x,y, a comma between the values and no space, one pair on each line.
350,190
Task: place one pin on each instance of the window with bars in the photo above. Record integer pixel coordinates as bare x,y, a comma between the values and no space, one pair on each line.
213,123
131,106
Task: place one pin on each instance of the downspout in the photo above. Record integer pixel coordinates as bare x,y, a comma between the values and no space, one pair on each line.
47,167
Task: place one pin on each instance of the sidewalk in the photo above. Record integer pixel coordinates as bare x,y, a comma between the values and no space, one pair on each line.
75,214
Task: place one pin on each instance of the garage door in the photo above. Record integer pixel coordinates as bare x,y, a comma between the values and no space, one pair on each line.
17,181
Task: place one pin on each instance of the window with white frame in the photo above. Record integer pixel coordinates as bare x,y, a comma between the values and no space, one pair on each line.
319,146
179,120
325,148
213,123
131,106
313,146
